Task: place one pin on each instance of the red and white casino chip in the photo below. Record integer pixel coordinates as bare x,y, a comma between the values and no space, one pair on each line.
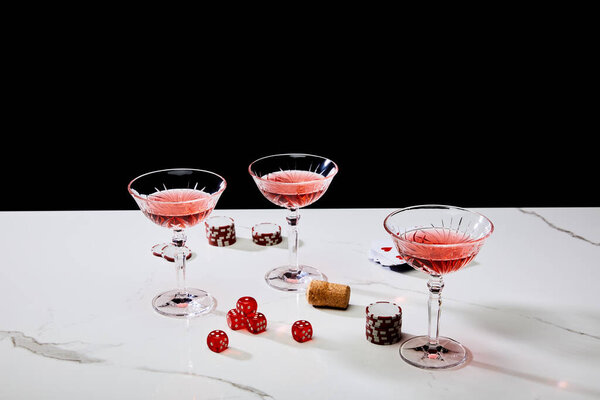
266,234
383,337
220,231
158,248
383,333
382,340
383,323
168,251
384,311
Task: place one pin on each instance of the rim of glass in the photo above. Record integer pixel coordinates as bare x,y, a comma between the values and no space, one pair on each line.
177,169
294,154
469,243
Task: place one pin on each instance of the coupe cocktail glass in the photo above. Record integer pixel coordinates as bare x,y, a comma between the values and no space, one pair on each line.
293,181
178,199
437,240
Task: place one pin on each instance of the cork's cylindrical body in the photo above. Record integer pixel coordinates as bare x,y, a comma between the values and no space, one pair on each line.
328,294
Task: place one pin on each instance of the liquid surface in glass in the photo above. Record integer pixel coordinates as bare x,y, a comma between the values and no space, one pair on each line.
178,208
293,188
455,250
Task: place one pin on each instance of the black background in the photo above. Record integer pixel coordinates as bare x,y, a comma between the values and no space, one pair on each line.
382,163
469,125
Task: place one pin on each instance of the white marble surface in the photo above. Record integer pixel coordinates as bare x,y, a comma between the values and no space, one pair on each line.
76,320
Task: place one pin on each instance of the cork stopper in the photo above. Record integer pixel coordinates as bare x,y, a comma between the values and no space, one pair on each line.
328,294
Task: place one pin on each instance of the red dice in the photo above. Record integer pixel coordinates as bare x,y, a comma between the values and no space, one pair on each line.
247,306
246,315
217,341
236,320
257,323
302,331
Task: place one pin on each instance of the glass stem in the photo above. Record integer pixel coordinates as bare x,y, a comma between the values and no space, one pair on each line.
292,220
435,285
179,239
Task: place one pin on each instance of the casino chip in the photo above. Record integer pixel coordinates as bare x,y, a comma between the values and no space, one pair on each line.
383,323
220,231
158,248
266,234
168,251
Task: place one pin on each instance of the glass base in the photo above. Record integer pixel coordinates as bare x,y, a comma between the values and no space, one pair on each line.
448,354
286,279
183,305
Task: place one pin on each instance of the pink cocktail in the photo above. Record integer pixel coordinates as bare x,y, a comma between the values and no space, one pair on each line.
171,199
437,251
437,240
306,188
178,208
293,181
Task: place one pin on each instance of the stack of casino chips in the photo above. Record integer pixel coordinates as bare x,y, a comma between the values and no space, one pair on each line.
266,234
384,323
220,231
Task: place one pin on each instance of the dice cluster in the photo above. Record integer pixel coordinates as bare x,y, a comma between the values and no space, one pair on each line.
245,315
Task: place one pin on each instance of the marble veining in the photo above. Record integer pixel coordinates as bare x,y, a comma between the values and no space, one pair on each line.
558,228
61,351
58,351
245,388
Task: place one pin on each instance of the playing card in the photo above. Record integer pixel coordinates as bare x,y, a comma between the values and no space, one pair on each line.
384,252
